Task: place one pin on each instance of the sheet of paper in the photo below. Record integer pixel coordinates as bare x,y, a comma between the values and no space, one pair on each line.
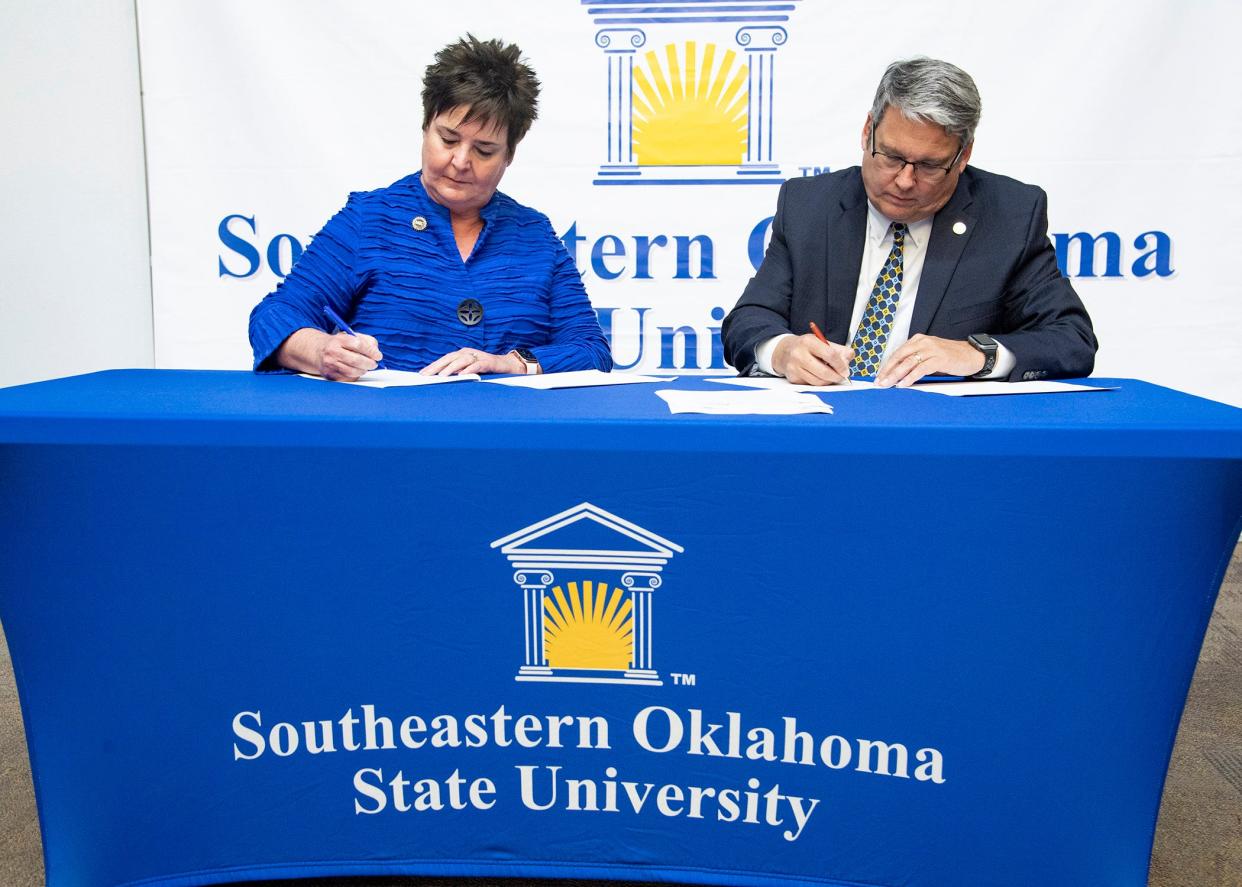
975,389
398,379
742,403
776,383
576,379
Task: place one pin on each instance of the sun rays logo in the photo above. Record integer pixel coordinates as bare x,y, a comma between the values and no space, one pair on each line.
692,95
588,578
690,111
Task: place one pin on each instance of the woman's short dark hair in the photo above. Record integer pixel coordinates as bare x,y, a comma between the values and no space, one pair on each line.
487,76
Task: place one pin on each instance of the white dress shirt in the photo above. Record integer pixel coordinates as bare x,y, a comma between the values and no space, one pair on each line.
876,247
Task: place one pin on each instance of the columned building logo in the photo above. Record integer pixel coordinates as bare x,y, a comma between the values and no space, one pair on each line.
691,90
588,581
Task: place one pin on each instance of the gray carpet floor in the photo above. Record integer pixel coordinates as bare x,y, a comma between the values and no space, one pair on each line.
1198,837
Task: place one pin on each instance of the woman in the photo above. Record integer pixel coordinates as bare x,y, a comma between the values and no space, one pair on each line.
440,272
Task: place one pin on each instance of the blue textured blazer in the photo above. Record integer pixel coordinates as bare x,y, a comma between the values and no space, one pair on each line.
998,277
388,265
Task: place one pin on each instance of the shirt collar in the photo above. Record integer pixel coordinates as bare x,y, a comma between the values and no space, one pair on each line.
878,226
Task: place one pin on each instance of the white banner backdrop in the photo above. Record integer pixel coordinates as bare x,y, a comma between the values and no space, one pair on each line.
261,117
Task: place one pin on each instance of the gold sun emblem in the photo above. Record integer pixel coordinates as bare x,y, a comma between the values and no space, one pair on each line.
693,113
588,629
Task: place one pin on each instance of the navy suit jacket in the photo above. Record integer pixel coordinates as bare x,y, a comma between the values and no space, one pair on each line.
999,276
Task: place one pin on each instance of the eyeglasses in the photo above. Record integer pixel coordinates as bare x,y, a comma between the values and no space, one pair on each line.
924,171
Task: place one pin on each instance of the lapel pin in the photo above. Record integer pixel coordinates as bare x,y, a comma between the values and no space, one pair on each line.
420,223
959,227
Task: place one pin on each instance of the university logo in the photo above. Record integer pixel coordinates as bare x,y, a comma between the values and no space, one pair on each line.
588,579
691,90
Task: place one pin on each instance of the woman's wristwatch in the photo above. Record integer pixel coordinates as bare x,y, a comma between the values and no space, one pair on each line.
529,359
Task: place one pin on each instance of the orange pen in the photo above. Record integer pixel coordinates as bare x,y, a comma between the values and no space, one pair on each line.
820,336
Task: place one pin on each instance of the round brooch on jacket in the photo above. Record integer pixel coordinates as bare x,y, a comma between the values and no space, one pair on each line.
419,223
470,312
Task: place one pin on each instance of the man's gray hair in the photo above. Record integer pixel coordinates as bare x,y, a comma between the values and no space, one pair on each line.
929,90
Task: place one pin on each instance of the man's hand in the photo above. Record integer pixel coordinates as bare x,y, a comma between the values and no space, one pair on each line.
805,360
343,358
923,355
472,360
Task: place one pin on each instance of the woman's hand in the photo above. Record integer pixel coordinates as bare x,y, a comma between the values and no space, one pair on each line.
472,360
342,357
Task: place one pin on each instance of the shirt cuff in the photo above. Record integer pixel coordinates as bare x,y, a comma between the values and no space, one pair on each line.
763,354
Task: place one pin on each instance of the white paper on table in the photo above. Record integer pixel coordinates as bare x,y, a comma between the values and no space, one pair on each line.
779,383
741,403
975,389
575,379
398,379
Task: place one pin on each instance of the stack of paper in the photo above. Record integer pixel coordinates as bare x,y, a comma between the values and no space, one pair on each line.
933,385
974,389
399,378
742,403
575,379
777,383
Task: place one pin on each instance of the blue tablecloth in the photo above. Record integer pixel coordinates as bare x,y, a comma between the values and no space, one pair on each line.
271,627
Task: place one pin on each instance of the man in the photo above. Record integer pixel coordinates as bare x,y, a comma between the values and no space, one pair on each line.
914,263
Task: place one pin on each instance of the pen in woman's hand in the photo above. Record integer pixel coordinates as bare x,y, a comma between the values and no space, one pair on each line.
344,327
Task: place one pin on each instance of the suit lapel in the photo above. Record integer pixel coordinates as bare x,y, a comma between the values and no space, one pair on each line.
944,249
847,230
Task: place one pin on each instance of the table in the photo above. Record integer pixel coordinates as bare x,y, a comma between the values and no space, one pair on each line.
266,626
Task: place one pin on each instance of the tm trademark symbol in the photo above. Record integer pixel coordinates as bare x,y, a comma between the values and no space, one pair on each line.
683,680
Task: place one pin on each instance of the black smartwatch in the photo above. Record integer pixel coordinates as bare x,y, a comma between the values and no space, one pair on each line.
984,343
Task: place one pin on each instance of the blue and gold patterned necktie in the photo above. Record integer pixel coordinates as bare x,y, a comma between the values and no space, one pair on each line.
877,319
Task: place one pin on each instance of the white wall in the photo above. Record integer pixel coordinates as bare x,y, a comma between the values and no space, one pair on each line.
75,291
